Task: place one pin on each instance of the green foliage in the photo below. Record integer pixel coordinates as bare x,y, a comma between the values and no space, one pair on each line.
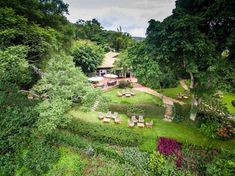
181,112
222,165
123,84
51,113
92,96
61,86
108,134
39,157
209,129
13,66
233,103
137,158
134,110
87,55
92,30
16,122
69,163
156,162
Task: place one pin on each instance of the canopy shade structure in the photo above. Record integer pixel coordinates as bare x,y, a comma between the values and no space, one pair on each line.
110,76
95,79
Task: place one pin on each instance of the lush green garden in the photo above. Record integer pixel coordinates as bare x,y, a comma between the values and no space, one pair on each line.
49,110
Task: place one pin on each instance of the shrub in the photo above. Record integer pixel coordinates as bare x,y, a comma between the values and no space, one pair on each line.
133,110
233,103
66,138
137,158
104,133
209,129
196,158
168,147
150,110
222,165
181,112
226,131
123,84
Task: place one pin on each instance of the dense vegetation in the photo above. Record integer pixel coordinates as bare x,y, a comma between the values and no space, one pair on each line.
47,127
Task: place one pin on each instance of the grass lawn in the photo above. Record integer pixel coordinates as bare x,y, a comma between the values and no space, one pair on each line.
172,92
183,132
228,97
139,98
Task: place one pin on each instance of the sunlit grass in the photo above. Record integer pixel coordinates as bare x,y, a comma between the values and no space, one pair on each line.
183,132
139,98
228,97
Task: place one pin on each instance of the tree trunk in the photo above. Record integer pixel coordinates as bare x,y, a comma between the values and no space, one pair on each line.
194,108
191,80
195,101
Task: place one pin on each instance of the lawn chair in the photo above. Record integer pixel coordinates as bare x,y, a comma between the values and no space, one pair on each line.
133,119
119,94
141,119
131,124
149,124
114,115
106,120
141,125
123,93
109,114
117,120
100,115
133,93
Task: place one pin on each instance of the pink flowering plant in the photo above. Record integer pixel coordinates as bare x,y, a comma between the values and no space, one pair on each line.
169,147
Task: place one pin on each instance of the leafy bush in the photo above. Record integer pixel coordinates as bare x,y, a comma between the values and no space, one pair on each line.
40,156
152,110
133,110
66,138
225,131
69,162
123,84
222,165
196,158
137,158
104,133
168,147
159,165
177,110
209,129
233,103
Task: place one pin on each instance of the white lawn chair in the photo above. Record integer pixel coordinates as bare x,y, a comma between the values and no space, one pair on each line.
100,115
117,120
114,115
133,119
109,114
141,119
149,124
131,124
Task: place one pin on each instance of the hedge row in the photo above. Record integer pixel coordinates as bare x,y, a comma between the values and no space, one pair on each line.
150,110
62,137
104,133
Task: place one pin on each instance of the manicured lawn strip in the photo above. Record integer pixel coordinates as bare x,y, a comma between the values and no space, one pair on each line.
139,98
228,97
183,132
